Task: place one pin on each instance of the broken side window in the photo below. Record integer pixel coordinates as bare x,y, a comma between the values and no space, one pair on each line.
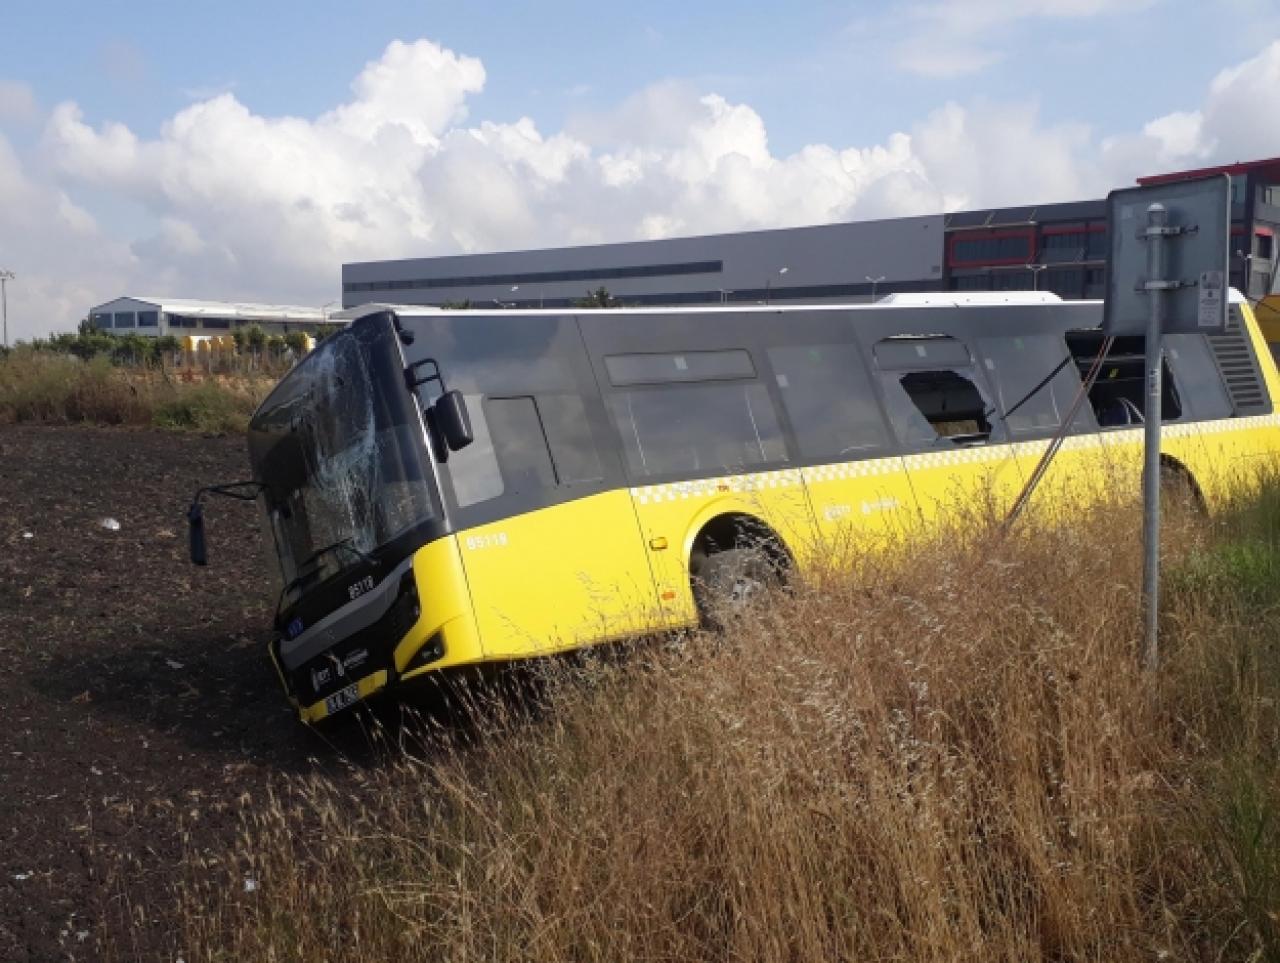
1119,392
932,393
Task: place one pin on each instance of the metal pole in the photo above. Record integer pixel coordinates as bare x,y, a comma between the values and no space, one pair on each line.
5,277
1157,223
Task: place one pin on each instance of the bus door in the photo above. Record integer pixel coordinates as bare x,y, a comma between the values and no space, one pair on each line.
859,495
941,409
549,542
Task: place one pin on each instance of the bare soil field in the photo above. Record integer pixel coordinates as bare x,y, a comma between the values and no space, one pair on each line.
137,702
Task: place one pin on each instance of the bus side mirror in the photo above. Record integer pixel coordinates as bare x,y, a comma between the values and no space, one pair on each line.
453,421
195,532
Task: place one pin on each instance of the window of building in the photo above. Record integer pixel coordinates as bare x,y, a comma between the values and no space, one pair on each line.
829,400
1262,246
1060,240
1064,282
102,320
220,324
697,429
178,321
980,249
148,319
541,277
124,319
1096,245
1027,403
642,369
971,282
1239,188
1063,243
1019,280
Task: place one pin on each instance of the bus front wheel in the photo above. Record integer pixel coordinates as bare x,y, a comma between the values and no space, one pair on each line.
727,584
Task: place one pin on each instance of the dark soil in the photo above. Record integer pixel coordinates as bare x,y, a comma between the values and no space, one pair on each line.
137,701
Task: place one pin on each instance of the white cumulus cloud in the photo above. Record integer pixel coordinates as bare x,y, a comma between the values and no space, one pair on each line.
225,202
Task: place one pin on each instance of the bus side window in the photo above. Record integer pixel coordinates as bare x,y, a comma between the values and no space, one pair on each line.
932,393
829,399
705,428
1017,366
573,450
1119,394
474,470
542,441
520,443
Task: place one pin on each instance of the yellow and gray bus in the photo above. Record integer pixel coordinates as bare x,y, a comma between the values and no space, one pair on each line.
450,488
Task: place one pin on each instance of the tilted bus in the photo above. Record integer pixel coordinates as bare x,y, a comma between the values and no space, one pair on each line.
449,488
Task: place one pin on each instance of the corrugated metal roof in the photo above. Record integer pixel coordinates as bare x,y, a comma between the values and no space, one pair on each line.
236,310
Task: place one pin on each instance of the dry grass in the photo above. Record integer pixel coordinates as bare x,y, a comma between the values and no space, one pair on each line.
62,389
951,758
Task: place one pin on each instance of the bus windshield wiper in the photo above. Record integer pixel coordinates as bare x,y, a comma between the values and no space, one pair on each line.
302,578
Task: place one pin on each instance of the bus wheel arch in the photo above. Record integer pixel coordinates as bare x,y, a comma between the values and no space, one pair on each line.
732,558
1178,483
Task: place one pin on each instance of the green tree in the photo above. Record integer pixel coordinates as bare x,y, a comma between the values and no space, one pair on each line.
256,338
166,346
599,298
239,337
133,349
296,341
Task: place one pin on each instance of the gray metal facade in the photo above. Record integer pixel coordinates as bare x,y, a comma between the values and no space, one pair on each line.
833,262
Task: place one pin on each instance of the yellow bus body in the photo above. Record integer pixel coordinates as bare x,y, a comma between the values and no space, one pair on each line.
480,602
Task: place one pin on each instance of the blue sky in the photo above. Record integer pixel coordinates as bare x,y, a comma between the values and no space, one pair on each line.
819,71
244,150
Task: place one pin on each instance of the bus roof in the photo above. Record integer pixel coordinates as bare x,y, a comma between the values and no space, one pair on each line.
940,299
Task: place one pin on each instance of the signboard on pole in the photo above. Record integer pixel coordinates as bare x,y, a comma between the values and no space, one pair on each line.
1167,275
1194,279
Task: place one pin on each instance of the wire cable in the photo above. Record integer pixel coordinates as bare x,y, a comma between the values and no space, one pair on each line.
1055,443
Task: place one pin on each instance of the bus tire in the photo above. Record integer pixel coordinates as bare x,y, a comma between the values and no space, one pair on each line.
728,584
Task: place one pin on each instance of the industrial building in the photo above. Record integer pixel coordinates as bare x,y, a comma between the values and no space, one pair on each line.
1049,247
182,316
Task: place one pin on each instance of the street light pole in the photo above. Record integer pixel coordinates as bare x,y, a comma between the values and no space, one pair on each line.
1035,270
768,280
5,277
874,281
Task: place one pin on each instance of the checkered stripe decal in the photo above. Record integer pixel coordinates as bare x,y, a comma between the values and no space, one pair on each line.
706,487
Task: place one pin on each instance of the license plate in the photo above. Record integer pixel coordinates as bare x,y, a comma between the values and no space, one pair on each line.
341,699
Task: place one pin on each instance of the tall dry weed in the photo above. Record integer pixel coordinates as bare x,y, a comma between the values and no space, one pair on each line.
947,753
44,387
